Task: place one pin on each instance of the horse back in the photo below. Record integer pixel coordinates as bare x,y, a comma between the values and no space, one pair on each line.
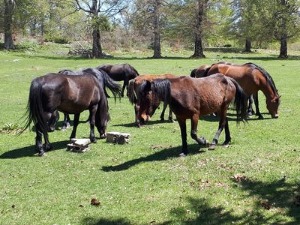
200,96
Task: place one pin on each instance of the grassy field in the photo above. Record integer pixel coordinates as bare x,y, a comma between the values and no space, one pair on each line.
254,181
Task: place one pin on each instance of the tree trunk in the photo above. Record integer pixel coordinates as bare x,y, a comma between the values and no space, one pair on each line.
156,44
247,45
97,49
8,20
283,48
198,50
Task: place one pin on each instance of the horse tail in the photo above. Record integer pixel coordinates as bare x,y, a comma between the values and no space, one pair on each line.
110,83
240,101
35,107
131,92
102,115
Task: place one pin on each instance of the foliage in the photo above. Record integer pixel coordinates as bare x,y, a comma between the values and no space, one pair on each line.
254,181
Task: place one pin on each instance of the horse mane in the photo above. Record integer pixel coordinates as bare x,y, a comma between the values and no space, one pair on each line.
132,69
105,80
265,74
162,88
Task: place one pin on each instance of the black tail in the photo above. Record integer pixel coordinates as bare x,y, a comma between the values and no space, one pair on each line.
240,102
131,92
110,83
35,108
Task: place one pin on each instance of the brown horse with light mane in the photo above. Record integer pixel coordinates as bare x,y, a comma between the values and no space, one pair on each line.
190,98
133,89
252,78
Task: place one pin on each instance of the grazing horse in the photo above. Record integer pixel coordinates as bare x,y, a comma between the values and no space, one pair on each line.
103,77
120,72
133,88
69,94
252,78
190,98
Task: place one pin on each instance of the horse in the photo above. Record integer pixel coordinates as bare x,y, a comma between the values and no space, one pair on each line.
103,77
252,78
69,94
134,86
191,98
120,72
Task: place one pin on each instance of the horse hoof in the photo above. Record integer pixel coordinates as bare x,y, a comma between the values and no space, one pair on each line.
102,136
212,147
182,154
40,154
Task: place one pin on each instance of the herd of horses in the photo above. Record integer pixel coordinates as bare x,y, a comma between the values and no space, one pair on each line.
209,90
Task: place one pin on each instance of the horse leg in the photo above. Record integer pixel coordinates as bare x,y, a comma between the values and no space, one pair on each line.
170,115
38,142
227,134
222,124
250,109
123,88
66,122
182,125
76,121
162,115
92,124
194,124
255,97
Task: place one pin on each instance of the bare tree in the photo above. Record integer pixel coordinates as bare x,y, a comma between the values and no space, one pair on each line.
9,6
95,9
156,29
200,15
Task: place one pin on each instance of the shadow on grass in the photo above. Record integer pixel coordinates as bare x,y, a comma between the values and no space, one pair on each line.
164,154
103,221
29,151
280,195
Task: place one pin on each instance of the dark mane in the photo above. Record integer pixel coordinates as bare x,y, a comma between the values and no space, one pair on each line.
266,75
162,89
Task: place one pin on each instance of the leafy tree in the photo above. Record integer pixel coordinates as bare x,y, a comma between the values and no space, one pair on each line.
98,12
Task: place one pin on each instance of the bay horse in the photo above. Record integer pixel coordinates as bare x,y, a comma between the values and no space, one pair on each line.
69,94
120,72
103,77
252,78
134,86
191,98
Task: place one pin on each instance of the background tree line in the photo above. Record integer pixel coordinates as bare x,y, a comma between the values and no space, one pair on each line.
140,24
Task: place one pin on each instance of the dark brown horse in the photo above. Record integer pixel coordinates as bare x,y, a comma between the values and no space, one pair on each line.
101,75
68,94
190,98
120,72
133,88
252,78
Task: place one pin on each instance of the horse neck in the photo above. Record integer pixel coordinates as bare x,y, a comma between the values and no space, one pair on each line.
268,90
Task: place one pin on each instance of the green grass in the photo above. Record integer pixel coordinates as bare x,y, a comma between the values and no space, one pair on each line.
254,181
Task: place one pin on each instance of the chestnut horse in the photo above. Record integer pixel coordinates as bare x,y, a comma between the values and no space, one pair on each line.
120,72
70,94
252,78
190,98
134,87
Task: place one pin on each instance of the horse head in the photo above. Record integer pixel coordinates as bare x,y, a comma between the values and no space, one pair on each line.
147,101
273,105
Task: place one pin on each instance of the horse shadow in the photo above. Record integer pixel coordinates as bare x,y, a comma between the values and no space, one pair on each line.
29,151
162,155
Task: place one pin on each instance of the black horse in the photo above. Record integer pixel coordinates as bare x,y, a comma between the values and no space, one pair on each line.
69,94
120,72
103,77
